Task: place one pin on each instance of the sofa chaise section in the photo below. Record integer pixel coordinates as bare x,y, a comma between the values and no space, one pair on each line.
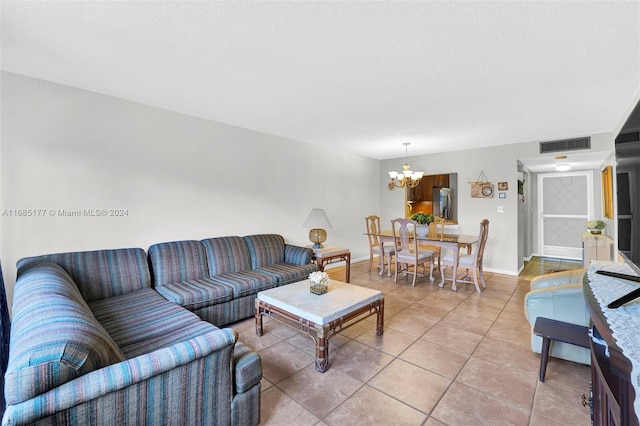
93,343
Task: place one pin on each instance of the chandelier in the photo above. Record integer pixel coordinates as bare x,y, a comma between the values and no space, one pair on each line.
405,178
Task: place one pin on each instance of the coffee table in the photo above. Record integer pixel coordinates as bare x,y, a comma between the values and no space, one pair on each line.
320,316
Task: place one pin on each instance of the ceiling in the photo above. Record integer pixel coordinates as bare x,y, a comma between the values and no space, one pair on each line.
362,77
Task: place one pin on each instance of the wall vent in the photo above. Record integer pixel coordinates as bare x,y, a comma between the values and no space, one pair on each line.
565,145
628,137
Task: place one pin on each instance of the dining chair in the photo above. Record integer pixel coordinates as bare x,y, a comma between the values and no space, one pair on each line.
472,261
437,231
407,250
389,248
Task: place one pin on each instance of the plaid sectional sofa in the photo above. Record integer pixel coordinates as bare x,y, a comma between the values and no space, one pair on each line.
127,337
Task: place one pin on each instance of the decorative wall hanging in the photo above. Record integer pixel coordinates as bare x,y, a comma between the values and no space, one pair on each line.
481,188
503,186
607,193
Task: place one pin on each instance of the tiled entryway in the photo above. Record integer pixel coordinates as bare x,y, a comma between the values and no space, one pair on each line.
453,358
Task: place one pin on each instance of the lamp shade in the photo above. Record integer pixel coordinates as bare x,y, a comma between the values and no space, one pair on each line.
317,218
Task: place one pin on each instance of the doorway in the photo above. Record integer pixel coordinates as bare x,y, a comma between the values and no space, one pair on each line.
566,203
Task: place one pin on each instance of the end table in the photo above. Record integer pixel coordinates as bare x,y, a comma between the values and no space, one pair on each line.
330,254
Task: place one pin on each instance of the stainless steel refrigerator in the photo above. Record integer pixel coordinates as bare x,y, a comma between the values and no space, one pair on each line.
442,202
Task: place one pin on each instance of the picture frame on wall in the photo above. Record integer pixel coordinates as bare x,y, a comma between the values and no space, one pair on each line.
503,186
607,192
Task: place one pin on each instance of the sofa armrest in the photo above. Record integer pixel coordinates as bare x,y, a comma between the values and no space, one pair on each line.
131,391
573,276
563,303
297,255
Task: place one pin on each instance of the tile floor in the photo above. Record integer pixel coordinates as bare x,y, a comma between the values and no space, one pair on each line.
446,358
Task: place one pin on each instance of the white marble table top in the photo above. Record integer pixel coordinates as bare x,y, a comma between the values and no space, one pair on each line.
341,299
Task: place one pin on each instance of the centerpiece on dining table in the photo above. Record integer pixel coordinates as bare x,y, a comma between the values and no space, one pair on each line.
424,220
319,282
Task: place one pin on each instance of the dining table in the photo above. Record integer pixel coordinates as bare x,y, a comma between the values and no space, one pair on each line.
453,242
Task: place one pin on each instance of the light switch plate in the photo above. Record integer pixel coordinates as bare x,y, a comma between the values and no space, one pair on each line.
501,209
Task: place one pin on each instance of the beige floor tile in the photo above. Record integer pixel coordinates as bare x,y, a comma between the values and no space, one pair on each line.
538,420
427,308
282,360
436,358
513,319
357,329
359,361
508,355
461,320
473,308
410,323
278,409
258,343
393,305
306,343
391,341
369,406
567,373
319,392
453,338
507,384
265,384
462,405
415,386
560,403
518,334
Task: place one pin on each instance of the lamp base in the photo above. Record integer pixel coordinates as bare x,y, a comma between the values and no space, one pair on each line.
317,236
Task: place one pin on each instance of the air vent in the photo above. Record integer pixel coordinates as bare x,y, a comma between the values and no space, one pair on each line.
628,137
565,145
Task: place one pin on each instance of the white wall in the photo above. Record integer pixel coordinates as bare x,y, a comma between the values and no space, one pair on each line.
178,176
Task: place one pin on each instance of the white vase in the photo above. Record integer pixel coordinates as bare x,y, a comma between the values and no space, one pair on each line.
422,230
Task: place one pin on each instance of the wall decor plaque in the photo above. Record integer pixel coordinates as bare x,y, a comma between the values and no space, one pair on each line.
481,188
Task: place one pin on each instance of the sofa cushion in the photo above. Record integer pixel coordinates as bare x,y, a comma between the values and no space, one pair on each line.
143,321
177,261
265,249
195,294
102,273
227,254
54,336
247,283
288,273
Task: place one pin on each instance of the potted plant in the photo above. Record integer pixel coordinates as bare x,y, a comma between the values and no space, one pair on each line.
596,226
423,219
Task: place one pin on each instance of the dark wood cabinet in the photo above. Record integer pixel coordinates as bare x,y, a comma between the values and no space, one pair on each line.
613,394
424,191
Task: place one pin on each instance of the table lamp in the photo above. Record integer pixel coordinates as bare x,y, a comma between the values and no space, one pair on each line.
317,220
